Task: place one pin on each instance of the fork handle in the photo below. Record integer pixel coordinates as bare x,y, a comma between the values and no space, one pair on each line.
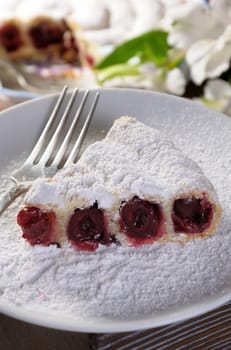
14,192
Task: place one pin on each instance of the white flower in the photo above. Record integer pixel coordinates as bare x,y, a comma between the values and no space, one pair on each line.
175,82
217,94
160,79
209,58
221,10
190,22
217,89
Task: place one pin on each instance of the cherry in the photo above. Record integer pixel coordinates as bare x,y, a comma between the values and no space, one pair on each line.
90,60
141,220
192,215
10,37
45,34
87,229
36,225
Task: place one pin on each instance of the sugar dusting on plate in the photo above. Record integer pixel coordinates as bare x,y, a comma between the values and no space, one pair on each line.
116,282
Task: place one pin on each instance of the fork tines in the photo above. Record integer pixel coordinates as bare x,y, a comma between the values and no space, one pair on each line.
58,145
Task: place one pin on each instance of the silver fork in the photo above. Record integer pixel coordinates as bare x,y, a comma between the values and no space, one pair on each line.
52,150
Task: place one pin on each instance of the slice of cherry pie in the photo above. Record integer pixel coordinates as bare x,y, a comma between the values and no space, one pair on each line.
132,188
41,31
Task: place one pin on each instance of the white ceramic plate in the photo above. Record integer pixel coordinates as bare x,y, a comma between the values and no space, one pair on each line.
188,124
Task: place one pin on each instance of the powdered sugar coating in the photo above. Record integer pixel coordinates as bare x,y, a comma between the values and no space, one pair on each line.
132,160
142,152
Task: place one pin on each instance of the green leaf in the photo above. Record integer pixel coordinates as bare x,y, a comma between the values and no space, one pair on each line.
117,70
212,103
151,46
175,59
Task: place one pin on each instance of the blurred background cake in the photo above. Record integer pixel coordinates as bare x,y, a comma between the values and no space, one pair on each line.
181,47
41,31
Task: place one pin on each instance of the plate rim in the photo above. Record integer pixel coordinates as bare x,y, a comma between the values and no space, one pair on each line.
120,326
127,325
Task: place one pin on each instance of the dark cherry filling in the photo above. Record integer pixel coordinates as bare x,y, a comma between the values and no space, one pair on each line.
90,60
36,225
70,50
192,215
46,34
87,229
10,37
141,220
